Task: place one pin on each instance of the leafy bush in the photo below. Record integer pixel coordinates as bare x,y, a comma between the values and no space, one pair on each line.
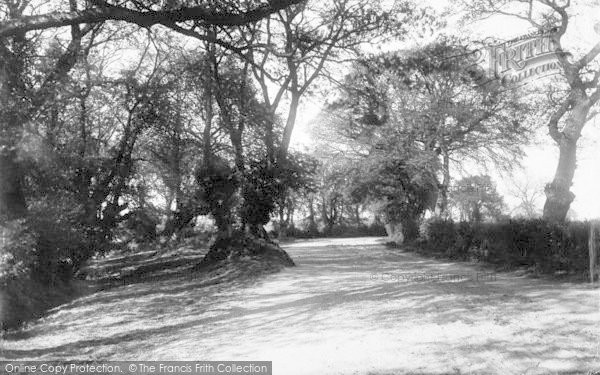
17,255
463,241
142,225
219,184
440,235
548,247
357,231
39,256
24,288
64,240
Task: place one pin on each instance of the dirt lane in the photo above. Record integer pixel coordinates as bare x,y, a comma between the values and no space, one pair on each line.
351,306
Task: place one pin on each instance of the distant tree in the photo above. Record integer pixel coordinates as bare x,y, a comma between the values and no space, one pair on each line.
298,180
184,139
476,199
396,179
529,198
332,183
405,187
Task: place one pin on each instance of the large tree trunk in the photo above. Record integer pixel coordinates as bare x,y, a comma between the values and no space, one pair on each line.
395,232
289,126
403,230
558,195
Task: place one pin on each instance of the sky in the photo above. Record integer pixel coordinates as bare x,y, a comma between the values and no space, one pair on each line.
541,158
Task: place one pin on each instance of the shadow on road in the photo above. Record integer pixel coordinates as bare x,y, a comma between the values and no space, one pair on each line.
350,306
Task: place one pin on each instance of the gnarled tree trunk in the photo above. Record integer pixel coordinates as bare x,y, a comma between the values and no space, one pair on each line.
558,194
395,232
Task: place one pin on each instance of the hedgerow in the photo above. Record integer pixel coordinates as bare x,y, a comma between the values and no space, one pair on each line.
547,247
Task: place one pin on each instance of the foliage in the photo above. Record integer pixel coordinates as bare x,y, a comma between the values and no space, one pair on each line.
439,235
142,223
545,246
17,256
424,109
339,230
295,178
219,185
264,183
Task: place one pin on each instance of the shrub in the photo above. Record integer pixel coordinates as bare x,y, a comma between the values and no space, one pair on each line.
344,230
41,249
440,235
142,225
23,296
63,240
548,247
577,254
17,257
39,256
463,241
340,230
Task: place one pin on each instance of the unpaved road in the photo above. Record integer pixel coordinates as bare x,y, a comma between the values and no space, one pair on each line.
351,306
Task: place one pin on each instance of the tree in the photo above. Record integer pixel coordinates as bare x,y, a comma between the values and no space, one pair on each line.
438,93
302,43
528,196
19,18
476,199
143,14
170,149
74,138
413,113
573,106
298,180
289,50
332,183
379,164
21,98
